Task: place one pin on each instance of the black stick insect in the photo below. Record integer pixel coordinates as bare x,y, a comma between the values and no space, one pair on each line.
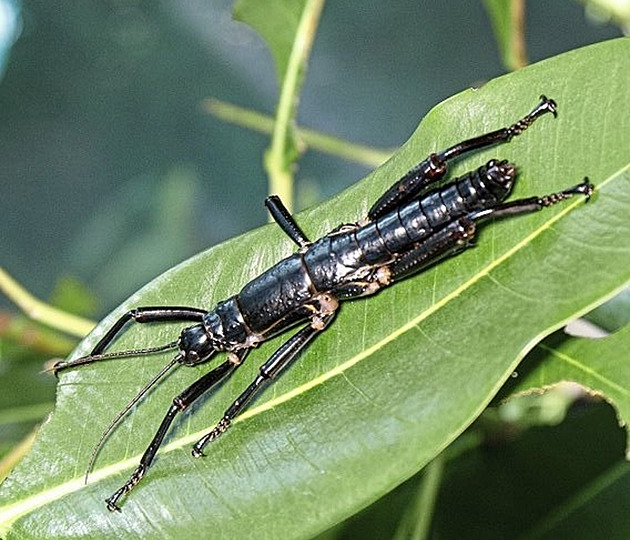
408,228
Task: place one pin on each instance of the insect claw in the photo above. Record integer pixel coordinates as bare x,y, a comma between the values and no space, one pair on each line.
217,431
548,105
56,368
197,449
111,503
196,452
583,188
587,189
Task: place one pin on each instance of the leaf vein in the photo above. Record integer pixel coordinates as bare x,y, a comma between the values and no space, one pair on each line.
586,369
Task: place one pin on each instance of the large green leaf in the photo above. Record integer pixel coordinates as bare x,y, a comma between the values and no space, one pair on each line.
393,381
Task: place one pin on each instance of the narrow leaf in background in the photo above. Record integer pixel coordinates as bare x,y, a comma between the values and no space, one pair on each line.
601,365
563,481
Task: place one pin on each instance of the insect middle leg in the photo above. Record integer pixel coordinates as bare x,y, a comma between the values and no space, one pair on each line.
280,360
434,167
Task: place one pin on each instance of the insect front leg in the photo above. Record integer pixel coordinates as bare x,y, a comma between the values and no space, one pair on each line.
279,361
434,167
180,404
149,315
138,315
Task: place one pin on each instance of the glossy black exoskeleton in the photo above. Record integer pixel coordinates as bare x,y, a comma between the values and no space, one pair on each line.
407,229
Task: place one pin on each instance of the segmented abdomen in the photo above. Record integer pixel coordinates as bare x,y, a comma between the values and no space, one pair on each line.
418,219
286,293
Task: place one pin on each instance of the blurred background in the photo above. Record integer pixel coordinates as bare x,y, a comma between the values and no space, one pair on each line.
113,170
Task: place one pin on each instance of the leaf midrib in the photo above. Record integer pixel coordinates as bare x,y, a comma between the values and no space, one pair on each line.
12,512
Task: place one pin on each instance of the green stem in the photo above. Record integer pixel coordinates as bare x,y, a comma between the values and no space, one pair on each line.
19,329
14,456
517,43
40,311
278,159
262,123
26,413
508,24
416,522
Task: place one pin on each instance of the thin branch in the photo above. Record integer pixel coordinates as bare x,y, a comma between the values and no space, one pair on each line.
19,329
507,18
416,521
40,311
314,140
16,454
278,159
27,413
517,38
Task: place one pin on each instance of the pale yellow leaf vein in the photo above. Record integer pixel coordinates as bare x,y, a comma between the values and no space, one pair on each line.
586,369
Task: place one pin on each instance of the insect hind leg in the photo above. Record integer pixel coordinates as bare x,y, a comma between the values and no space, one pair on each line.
503,135
451,239
433,169
533,204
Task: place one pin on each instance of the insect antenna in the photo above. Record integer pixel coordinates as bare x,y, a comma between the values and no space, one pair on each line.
124,411
88,359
